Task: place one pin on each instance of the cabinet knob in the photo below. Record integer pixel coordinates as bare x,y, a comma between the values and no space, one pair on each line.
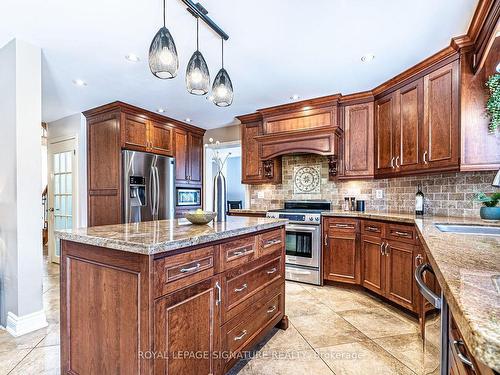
424,157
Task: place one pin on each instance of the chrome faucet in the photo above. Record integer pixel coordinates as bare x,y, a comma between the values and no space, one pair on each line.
496,180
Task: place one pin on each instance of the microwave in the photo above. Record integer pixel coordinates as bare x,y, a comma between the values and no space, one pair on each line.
188,197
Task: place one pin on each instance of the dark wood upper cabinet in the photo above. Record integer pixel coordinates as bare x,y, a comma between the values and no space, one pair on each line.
195,143
181,156
135,132
384,134
408,125
254,170
161,138
358,141
188,158
441,113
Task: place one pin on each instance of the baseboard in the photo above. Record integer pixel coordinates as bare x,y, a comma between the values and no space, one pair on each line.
21,325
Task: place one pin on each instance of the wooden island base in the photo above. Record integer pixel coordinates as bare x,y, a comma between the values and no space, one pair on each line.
194,310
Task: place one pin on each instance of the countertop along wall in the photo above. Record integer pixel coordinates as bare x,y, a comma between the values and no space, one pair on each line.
447,194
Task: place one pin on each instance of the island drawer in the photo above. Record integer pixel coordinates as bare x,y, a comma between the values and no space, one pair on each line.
241,330
403,233
241,283
373,228
177,271
271,241
237,252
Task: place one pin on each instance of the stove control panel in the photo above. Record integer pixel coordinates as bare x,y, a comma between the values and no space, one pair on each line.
296,217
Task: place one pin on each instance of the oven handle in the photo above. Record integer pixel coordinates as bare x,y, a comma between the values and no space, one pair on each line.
305,228
428,294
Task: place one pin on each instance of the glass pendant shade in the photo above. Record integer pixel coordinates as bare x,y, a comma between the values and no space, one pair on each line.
163,59
197,75
222,89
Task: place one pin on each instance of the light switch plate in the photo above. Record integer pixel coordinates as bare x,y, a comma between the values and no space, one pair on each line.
260,194
379,194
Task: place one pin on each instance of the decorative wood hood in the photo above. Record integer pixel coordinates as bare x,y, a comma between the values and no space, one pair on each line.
305,127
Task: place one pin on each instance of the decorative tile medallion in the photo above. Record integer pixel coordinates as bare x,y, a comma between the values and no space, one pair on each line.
307,179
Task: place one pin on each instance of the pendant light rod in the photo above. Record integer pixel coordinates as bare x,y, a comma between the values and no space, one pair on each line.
197,10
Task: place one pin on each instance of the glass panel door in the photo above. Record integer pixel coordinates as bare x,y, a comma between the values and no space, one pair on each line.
61,192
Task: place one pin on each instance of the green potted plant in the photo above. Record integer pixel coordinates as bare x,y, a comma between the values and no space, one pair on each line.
493,103
489,211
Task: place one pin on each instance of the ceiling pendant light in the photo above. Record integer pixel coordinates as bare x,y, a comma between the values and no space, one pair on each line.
222,88
163,59
197,74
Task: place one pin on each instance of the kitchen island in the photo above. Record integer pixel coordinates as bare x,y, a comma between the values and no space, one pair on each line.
169,297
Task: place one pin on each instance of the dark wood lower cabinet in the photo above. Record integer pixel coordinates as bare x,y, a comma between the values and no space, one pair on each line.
341,260
399,269
187,330
373,259
190,312
372,264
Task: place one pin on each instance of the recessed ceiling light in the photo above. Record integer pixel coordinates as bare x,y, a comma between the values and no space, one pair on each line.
132,57
306,107
188,119
295,97
368,57
161,110
79,82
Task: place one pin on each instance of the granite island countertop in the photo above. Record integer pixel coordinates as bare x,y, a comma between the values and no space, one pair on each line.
468,269
154,237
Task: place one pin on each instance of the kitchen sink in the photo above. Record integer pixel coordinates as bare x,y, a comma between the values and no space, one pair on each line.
482,230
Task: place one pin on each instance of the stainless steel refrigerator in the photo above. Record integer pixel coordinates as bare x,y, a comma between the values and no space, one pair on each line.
148,186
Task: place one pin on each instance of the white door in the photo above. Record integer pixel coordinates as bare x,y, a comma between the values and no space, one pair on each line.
62,162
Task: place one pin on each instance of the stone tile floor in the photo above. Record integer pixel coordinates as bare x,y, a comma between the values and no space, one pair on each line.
333,330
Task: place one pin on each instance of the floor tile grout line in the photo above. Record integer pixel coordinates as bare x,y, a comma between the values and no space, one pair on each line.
22,359
381,347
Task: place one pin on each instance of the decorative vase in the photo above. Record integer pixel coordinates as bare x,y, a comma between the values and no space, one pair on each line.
220,196
490,213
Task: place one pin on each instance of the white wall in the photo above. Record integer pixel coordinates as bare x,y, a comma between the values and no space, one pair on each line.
21,256
67,127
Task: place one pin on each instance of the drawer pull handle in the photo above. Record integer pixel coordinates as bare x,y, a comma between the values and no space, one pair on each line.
271,309
344,226
243,287
272,270
191,269
239,252
371,229
271,242
243,334
463,358
402,234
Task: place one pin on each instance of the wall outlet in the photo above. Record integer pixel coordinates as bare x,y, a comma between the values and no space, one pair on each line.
379,194
260,194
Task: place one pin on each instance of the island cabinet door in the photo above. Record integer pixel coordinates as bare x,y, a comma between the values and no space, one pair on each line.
187,330
399,273
372,263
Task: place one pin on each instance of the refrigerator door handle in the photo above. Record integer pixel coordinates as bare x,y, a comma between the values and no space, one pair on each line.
152,189
157,195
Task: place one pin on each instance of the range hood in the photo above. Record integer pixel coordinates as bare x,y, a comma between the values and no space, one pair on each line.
305,127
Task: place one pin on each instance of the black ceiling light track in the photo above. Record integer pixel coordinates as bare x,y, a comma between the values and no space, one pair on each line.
197,10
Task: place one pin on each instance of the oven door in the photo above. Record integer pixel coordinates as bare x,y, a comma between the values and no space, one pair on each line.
302,245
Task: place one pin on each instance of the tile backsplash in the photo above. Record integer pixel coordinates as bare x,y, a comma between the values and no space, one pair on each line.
448,194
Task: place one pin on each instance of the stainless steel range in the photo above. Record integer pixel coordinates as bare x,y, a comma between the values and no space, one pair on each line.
303,239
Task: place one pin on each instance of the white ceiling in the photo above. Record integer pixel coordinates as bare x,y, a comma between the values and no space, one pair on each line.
276,49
